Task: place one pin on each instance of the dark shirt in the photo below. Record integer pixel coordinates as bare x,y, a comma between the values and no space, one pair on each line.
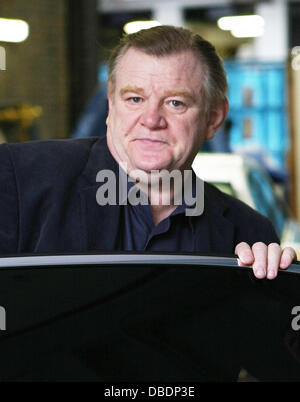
174,233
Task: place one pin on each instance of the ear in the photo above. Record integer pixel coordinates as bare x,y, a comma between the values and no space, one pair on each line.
216,118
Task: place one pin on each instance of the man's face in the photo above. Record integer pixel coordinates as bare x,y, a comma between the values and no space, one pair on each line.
156,119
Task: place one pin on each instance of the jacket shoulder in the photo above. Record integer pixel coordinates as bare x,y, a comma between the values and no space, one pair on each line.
49,152
251,226
48,160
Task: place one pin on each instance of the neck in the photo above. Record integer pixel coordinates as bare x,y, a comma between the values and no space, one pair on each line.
161,212
161,201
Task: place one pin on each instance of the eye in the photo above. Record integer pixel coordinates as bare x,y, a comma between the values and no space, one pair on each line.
177,106
176,103
135,99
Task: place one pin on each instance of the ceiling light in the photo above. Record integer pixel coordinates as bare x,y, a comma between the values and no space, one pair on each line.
243,26
247,32
13,30
135,26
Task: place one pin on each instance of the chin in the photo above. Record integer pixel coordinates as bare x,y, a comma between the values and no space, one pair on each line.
147,166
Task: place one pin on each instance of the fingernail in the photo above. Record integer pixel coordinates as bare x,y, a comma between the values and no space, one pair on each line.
260,272
271,274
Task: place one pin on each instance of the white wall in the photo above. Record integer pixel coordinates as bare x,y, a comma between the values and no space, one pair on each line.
273,45
168,13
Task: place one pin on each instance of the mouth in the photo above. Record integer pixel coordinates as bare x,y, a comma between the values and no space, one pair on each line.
151,141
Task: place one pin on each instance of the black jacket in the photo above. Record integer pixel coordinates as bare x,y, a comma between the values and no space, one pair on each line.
48,203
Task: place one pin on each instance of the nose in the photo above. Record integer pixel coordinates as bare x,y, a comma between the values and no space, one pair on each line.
153,118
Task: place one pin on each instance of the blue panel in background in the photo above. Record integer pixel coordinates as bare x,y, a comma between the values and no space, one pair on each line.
258,100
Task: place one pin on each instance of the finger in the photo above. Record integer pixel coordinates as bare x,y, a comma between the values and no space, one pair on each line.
287,257
260,252
244,253
274,256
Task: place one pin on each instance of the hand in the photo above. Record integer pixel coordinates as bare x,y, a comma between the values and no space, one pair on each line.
265,260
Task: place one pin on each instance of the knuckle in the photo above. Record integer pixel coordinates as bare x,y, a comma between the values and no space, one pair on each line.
290,250
241,246
258,244
290,253
274,245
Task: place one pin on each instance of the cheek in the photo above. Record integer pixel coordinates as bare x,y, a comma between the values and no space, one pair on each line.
189,140
124,120
187,133
197,132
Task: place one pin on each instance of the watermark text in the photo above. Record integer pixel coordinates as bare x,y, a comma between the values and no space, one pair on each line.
296,320
158,187
2,319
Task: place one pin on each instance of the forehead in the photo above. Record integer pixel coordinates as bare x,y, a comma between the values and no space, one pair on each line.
140,69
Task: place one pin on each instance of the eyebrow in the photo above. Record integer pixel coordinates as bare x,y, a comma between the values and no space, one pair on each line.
184,94
131,89
167,94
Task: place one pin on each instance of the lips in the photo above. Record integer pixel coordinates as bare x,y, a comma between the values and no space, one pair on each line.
151,141
150,145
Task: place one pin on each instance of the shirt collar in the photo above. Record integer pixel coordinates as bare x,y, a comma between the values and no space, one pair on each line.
181,208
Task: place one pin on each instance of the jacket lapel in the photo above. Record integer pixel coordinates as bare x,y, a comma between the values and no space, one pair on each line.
214,233
100,224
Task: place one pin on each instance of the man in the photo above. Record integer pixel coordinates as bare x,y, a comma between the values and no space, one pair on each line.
163,104
167,94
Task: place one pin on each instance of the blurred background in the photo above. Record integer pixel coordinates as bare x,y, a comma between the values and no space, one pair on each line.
53,84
